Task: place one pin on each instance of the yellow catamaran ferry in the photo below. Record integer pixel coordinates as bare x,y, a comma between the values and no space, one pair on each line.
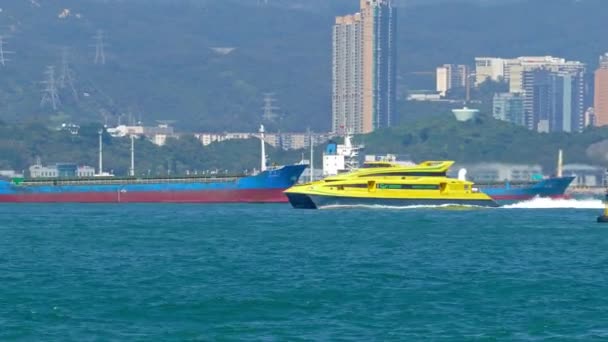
389,184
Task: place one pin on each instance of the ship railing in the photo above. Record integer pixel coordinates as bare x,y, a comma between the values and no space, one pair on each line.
125,181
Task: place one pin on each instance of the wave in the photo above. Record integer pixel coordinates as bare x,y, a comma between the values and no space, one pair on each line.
549,203
536,203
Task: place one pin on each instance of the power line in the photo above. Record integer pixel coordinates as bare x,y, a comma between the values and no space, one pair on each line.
269,107
66,77
100,54
50,95
3,53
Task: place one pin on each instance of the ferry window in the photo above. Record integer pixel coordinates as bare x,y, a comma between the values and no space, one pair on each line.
407,174
375,165
408,186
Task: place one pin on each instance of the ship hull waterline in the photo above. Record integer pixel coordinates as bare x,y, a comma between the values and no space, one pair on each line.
266,187
220,196
304,201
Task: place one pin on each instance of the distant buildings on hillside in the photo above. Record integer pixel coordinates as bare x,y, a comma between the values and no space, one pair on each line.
601,92
285,141
364,68
450,77
546,93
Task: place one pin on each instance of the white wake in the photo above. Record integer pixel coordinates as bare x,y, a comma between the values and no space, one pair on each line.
536,203
548,203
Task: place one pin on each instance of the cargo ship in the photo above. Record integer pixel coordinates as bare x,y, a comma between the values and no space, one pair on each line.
552,187
267,186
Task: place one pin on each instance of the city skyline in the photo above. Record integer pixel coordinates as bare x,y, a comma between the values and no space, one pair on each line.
364,68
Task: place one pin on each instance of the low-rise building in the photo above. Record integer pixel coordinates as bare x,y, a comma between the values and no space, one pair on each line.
61,170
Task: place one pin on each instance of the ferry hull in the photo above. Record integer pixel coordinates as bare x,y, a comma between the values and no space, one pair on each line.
303,201
220,196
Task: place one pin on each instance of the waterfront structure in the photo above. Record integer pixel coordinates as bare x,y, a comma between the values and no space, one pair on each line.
509,107
451,76
61,170
364,68
601,92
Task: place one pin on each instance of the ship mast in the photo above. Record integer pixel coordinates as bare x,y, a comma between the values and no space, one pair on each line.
560,161
263,158
132,169
312,158
100,152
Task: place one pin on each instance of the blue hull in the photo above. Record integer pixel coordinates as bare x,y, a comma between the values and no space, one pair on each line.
551,187
264,187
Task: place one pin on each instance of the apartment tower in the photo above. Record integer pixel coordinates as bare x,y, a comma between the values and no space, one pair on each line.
364,68
601,92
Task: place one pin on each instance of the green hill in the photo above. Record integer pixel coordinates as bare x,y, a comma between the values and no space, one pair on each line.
487,140
437,138
161,63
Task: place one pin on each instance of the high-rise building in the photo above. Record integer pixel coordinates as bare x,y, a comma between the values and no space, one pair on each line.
364,68
601,92
451,76
554,100
509,107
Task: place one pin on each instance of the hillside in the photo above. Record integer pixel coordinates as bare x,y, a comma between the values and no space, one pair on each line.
487,140
163,61
440,137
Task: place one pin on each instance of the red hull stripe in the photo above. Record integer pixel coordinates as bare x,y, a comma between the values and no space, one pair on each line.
225,196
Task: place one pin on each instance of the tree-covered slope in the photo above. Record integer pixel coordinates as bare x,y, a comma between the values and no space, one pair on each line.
487,140
161,63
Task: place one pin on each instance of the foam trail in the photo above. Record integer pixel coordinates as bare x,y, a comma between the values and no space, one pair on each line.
548,203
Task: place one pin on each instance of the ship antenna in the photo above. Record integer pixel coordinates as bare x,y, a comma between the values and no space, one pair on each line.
100,152
312,156
132,169
263,159
560,162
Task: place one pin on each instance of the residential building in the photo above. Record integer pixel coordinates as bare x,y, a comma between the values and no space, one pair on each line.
451,76
285,141
156,134
364,68
553,101
601,92
489,68
511,70
509,107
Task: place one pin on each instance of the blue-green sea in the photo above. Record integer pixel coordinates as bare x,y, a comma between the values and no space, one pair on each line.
271,273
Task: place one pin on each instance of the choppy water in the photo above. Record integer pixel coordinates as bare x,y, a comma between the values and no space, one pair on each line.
268,272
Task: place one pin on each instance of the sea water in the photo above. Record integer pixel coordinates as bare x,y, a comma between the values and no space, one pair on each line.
531,271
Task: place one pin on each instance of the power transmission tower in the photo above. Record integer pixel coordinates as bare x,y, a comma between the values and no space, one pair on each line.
3,53
50,95
269,107
100,54
66,77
